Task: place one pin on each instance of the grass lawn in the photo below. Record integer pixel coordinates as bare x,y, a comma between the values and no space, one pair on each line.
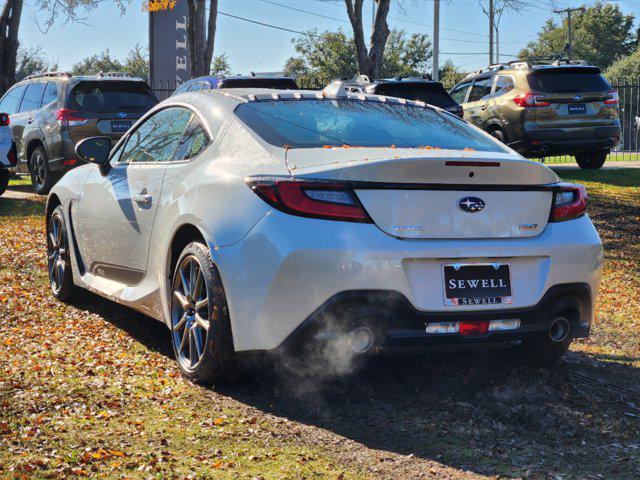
20,181
91,389
613,157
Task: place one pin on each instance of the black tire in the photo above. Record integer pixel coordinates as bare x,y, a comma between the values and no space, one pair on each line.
59,257
4,180
42,179
498,134
591,160
215,361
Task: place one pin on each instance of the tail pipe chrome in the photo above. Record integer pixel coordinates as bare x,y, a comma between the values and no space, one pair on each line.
559,329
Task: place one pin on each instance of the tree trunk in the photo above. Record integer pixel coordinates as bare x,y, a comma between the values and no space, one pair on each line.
201,36
355,17
379,38
369,62
9,25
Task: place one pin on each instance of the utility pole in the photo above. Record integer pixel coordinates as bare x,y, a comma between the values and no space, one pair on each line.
436,40
497,44
491,27
569,11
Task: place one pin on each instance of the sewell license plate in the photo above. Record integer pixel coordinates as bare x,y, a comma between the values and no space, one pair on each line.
477,284
120,126
577,108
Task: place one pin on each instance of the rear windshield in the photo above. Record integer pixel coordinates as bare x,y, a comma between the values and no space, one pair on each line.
110,96
566,80
355,123
278,83
434,94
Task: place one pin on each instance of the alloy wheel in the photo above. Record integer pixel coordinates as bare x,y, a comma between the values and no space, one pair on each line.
38,169
57,252
190,312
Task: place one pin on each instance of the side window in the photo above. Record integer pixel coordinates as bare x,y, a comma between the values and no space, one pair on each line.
481,89
32,97
194,141
157,138
50,93
11,100
503,85
460,92
206,86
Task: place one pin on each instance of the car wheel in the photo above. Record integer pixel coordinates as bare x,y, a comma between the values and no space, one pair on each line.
200,326
41,176
59,257
498,134
4,180
591,160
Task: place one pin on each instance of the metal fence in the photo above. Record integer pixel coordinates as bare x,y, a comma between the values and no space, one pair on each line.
628,148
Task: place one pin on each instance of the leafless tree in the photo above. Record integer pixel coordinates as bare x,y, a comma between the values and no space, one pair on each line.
201,38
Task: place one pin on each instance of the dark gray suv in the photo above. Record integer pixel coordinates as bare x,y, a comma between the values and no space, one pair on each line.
51,112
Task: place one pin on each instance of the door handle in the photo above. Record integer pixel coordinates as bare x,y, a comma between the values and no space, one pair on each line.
483,107
30,120
143,199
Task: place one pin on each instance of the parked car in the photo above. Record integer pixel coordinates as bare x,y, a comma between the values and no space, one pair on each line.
51,112
539,110
7,152
411,88
351,223
249,81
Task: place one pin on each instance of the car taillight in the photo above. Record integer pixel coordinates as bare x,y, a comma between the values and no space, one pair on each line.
528,99
613,98
11,155
4,119
311,198
70,118
569,202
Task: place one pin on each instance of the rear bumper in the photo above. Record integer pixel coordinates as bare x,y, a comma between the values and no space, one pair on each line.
288,268
555,141
399,326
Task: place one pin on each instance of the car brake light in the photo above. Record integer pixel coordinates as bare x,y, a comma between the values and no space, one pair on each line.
11,155
70,118
569,202
528,99
4,119
613,98
311,198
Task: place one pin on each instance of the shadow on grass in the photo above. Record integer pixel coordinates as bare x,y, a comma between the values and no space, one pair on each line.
469,411
22,207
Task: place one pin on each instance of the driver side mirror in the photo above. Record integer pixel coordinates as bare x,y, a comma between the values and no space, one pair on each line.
95,150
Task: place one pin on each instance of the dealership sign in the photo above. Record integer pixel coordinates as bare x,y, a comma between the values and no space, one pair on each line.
169,56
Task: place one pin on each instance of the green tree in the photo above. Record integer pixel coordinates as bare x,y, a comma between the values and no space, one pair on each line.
601,34
101,62
220,66
626,69
136,63
450,74
330,55
32,60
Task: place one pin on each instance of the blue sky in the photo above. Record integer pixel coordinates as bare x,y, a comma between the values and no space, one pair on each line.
253,47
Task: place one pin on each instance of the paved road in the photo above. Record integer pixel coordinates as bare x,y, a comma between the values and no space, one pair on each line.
11,193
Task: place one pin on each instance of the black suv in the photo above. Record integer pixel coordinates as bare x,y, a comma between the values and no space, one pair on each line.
411,88
51,112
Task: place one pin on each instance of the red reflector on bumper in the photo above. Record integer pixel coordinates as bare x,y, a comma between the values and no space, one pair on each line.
474,328
68,163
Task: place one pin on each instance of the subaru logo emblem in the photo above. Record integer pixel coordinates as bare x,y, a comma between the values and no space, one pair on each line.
122,115
577,98
471,204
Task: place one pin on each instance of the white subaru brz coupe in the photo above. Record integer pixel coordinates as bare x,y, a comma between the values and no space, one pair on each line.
264,220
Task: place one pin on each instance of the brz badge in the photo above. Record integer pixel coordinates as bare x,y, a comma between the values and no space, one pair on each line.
528,227
471,204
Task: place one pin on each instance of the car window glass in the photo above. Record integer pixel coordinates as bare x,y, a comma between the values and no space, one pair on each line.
182,88
504,85
50,93
111,96
460,92
157,138
195,86
193,141
205,86
32,97
11,100
480,89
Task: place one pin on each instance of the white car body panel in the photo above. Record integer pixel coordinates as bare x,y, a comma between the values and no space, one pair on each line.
6,141
277,268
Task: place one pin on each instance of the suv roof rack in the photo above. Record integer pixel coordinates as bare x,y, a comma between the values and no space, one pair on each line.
114,74
47,74
423,77
566,61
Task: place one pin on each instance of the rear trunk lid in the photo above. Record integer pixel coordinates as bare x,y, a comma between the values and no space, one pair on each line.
575,97
107,107
418,194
